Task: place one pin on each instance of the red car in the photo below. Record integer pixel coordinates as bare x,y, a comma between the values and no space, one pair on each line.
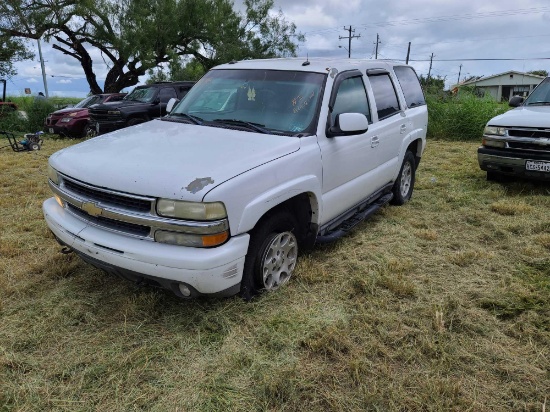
72,121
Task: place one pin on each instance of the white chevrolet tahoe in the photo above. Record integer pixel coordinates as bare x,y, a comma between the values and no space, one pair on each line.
261,160
517,143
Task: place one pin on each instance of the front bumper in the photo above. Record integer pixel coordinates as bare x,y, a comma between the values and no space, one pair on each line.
510,163
106,126
215,271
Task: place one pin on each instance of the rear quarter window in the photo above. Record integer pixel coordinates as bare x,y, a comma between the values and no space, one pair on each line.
410,85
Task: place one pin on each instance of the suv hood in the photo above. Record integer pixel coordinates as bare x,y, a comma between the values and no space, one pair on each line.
69,110
170,160
524,116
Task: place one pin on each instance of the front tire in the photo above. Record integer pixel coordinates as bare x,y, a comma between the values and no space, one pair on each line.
404,185
272,255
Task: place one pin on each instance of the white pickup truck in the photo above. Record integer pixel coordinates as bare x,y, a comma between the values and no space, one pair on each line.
261,160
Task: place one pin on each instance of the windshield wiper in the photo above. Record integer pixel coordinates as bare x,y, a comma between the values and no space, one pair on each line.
254,126
539,104
195,119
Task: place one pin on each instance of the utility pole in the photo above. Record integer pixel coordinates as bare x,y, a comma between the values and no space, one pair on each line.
430,70
408,53
350,30
377,42
43,69
459,71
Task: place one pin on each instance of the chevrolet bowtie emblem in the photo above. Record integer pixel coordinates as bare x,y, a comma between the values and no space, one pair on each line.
92,209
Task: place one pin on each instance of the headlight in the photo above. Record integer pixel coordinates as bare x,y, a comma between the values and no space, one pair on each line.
184,239
65,120
73,114
191,210
52,175
113,112
494,130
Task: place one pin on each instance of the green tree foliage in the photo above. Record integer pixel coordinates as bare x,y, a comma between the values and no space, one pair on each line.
543,73
177,70
135,36
11,50
433,84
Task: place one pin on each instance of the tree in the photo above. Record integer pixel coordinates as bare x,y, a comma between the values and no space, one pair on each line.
135,36
543,73
433,84
11,51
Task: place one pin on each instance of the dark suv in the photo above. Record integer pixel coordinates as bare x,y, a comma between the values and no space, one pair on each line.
142,104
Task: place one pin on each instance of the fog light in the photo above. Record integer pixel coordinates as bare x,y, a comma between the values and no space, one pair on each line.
185,291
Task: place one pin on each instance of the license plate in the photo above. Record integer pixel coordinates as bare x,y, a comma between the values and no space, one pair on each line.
537,165
51,130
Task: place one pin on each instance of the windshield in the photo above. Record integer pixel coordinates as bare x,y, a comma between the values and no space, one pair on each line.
145,95
541,94
87,102
266,100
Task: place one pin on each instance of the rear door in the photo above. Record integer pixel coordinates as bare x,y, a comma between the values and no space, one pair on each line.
392,124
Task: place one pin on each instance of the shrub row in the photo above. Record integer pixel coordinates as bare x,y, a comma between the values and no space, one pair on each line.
460,117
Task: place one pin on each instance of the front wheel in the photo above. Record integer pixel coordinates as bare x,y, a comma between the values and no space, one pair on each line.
90,132
272,255
404,185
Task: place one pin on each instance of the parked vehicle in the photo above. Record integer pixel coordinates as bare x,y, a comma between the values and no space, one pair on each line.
141,105
517,143
221,195
73,121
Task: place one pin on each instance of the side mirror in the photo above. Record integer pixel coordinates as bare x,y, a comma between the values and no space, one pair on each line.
171,103
516,101
348,124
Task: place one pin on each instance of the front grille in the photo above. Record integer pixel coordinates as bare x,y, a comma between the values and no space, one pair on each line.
528,146
535,133
103,115
108,198
117,225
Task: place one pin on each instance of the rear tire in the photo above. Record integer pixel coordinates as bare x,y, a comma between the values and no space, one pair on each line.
272,255
404,185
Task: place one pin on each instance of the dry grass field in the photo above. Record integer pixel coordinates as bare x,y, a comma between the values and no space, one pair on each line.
440,305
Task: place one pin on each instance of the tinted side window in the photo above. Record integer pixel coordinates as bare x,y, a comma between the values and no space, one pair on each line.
166,94
410,85
351,98
384,95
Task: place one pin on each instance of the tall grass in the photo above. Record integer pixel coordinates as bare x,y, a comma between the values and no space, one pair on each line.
461,117
439,305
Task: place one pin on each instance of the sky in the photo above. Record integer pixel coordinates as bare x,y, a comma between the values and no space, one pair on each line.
458,33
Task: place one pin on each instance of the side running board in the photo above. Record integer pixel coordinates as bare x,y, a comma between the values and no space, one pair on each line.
347,225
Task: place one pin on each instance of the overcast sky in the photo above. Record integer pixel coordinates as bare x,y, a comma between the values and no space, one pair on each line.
452,30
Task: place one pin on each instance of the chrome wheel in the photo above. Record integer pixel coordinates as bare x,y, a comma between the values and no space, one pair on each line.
279,260
406,179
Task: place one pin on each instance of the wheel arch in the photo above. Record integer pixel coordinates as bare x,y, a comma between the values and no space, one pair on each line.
303,206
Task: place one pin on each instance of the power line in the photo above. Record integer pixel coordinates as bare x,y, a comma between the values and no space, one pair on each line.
452,17
349,38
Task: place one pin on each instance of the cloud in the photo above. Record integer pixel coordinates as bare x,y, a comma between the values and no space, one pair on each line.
32,80
64,81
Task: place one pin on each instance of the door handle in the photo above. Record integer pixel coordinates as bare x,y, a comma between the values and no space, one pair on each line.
374,141
403,128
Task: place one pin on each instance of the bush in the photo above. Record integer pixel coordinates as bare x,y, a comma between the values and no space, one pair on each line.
12,121
460,117
37,113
